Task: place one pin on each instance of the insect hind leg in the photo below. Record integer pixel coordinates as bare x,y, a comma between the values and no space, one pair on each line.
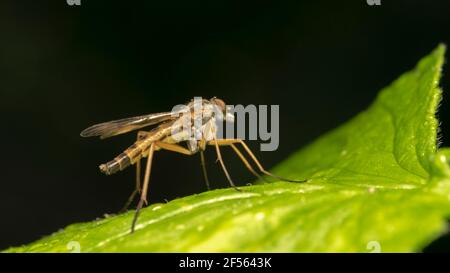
140,135
205,172
155,146
143,198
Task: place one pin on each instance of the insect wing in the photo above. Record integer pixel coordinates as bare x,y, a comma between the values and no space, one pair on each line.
121,126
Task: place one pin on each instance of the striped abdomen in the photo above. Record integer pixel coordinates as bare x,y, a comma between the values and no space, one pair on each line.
135,151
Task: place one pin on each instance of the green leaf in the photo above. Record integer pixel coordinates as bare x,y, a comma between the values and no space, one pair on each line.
377,182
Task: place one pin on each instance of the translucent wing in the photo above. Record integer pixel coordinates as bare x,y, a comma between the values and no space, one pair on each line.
121,126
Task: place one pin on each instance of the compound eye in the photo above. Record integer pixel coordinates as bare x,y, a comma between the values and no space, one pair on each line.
220,103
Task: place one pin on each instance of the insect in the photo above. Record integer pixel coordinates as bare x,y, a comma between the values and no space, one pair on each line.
170,134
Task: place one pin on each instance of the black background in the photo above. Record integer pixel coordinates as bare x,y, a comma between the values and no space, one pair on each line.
63,68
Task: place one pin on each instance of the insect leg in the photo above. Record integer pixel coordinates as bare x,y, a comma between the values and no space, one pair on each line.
243,159
137,190
261,168
173,147
143,198
219,157
246,163
182,150
205,173
249,152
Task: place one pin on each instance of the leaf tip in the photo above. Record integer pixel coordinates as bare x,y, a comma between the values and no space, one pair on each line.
439,53
441,48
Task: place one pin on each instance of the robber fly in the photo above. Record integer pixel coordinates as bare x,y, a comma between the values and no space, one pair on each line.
169,135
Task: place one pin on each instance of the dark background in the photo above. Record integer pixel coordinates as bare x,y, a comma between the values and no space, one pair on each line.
63,68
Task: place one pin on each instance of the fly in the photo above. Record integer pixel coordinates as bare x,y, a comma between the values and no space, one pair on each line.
170,134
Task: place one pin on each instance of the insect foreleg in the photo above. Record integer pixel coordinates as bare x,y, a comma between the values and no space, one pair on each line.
261,168
246,163
225,142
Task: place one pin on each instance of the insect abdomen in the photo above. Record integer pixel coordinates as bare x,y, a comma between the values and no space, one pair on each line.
117,164
125,159
134,152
